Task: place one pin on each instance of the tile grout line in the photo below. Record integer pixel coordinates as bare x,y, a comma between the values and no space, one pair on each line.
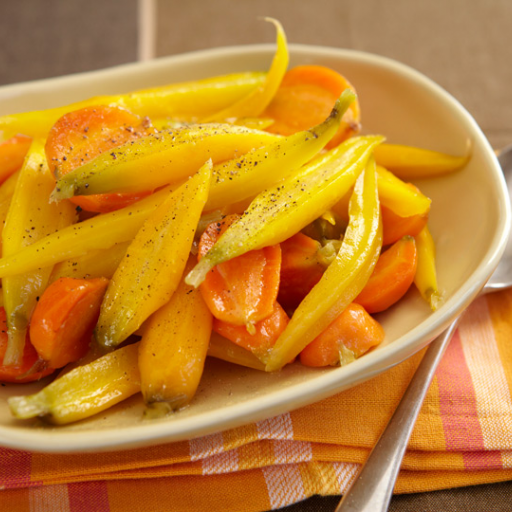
146,24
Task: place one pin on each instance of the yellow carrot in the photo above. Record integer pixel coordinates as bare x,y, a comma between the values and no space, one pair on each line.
185,101
257,100
152,267
173,349
426,275
402,198
408,162
84,391
343,279
100,232
30,217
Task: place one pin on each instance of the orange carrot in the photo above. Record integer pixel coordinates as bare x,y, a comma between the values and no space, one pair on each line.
266,331
19,373
349,336
82,135
305,97
300,269
241,291
64,318
395,227
391,278
12,154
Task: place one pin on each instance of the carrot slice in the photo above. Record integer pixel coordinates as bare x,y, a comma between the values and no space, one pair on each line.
19,373
12,154
266,331
241,291
82,135
395,227
305,97
391,278
349,336
64,318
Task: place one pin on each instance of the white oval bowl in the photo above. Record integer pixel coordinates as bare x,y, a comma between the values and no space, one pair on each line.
469,220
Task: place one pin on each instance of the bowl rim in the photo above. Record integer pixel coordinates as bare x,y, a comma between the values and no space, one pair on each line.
56,440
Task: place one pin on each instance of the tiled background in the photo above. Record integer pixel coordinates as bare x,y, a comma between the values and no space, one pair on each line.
464,45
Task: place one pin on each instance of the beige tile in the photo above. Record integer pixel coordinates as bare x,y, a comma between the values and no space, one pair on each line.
461,44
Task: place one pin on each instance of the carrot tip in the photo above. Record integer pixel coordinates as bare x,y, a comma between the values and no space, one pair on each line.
25,407
434,298
198,274
157,410
62,191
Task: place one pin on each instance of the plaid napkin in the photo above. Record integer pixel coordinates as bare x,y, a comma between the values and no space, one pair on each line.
463,437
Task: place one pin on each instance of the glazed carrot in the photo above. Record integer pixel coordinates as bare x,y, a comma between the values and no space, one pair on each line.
343,279
393,275
402,198
19,373
172,350
266,331
64,318
305,97
151,270
81,135
408,162
241,291
184,101
85,390
30,218
255,102
303,261
426,273
12,154
349,336
395,227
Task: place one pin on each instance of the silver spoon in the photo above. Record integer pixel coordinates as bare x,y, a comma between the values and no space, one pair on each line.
373,488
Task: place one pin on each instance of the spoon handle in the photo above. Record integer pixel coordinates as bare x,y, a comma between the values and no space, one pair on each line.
373,487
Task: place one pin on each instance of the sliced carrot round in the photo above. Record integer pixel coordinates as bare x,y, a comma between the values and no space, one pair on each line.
266,331
241,291
395,227
19,373
354,330
82,135
306,97
64,318
391,278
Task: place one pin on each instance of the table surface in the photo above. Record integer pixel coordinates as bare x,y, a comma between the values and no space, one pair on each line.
464,46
